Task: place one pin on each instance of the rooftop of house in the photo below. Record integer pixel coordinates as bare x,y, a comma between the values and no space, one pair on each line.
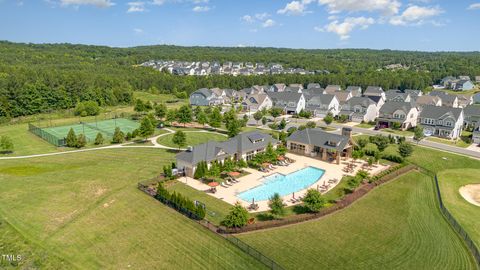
373,90
360,101
318,137
392,106
436,112
212,150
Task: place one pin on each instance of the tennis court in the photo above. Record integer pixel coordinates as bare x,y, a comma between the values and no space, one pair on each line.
91,129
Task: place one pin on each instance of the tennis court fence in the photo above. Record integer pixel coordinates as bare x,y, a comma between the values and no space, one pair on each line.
97,128
46,135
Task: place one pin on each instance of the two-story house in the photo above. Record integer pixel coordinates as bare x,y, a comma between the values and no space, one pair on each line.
397,96
257,102
401,115
447,100
360,109
471,115
289,102
204,97
321,105
278,87
422,101
375,91
356,91
443,122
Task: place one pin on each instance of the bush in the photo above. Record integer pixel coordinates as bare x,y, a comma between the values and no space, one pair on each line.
313,200
405,149
237,218
180,202
393,157
6,145
386,172
370,149
87,108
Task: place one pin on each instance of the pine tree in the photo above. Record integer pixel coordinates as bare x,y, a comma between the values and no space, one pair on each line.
146,128
81,141
118,136
71,138
99,139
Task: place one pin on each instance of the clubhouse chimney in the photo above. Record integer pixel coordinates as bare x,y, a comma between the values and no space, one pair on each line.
346,131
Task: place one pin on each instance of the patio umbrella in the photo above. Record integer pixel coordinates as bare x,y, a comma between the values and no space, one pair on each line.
293,195
213,184
253,201
266,164
234,174
281,158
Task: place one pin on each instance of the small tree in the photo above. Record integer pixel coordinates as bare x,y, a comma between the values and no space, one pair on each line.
258,115
233,127
99,139
264,120
237,218
201,170
405,149
277,208
328,119
6,144
275,112
179,138
71,138
202,117
313,200
184,115
146,128
418,133
118,136
282,124
81,141
311,124
139,106
161,110
215,118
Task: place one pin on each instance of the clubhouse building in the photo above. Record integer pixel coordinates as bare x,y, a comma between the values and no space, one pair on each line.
317,143
243,146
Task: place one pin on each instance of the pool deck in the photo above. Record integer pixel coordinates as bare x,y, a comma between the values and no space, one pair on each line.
255,178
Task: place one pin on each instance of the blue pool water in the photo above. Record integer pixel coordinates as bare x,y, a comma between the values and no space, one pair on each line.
283,184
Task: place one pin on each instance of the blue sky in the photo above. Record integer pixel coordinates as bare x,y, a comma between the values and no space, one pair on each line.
427,25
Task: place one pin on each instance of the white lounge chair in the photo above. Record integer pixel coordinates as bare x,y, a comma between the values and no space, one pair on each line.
224,185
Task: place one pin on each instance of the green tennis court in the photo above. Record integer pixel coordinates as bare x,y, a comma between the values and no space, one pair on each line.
91,129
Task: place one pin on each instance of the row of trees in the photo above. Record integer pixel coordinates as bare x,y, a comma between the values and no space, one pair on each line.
180,202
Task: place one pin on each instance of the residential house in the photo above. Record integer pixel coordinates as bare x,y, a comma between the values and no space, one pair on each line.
321,105
204,97
231,94
293,89
260,88
330,89
444,122
289,102
413,93
422,101
257,102
278,87
401,115
464,100
477,79
317,143
220,95
317,85
243,146
296,85
313,91
375,91
447,100
471,114
397,96
356,91
447,80
343,96
360,109
461,85
464,77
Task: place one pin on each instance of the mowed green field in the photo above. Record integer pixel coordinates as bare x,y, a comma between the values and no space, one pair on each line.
83,210
193,138
467,214
396,226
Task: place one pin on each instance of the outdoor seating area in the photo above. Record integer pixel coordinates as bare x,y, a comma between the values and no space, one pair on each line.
230,189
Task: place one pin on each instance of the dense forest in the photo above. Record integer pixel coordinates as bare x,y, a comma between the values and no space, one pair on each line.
37,78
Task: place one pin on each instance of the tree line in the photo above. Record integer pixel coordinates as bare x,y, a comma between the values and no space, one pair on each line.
38,78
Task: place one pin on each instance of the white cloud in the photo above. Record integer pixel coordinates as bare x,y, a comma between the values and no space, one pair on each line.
295,8
158,2
416,15
386,7
136,7
474,6
201,8
343,29
97,3
268,23
262,16
248,19
138,30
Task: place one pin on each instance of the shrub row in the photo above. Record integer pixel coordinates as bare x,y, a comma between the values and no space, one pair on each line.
180,203
387,171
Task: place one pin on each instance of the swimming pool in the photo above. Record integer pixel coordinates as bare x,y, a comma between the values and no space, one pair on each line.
283,184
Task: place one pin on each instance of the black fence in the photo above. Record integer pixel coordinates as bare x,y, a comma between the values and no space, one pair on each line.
46,135
254,253
456,226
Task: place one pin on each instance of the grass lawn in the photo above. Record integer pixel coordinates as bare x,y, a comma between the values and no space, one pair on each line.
160,98
458,143
396,226
193,138
216,209
467,214
85,210
25,142
365,125
405,133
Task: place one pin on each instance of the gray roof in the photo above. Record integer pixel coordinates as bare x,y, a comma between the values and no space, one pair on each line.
373,90
375,99
436,112
393,93
362,101
321,99
472,110
353,88
313,85
284,97
413,92
204,91
213,150
392,106
318,137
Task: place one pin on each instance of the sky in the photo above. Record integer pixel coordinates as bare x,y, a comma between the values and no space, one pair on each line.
422,25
